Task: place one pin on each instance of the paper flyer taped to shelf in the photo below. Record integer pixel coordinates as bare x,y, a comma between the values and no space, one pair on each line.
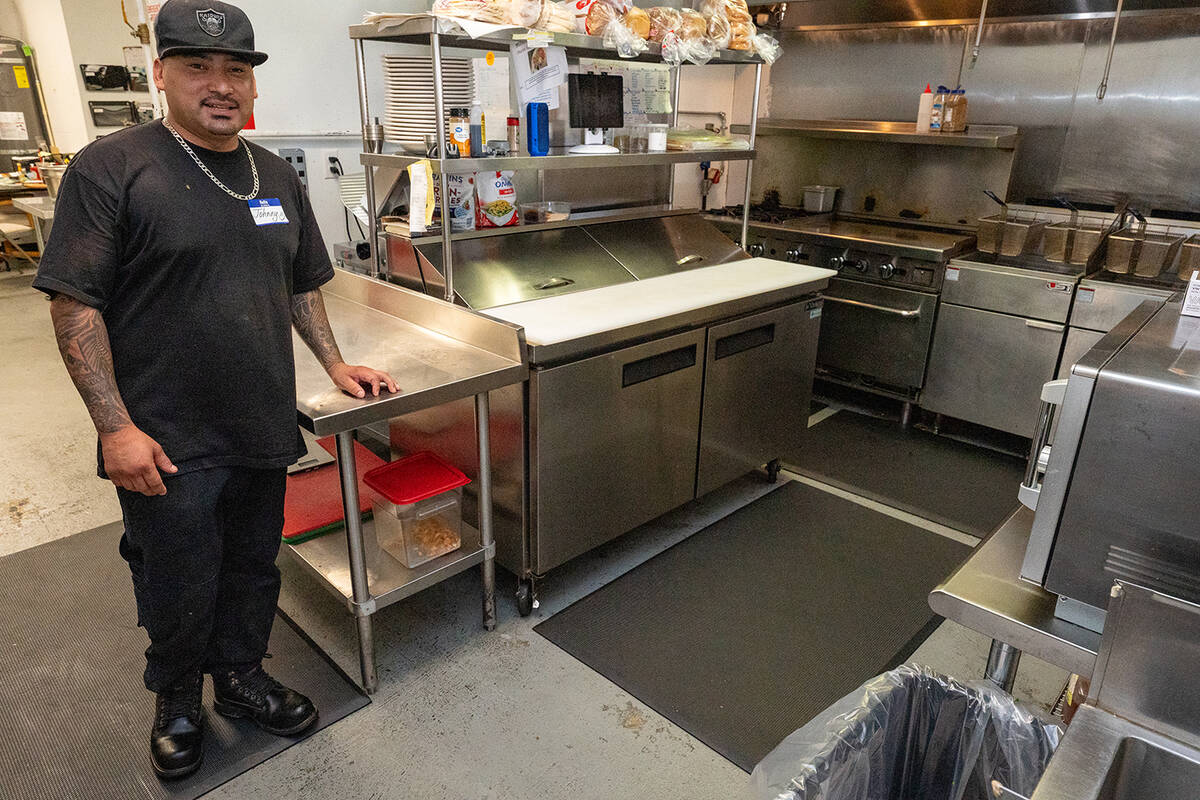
12,125
539,70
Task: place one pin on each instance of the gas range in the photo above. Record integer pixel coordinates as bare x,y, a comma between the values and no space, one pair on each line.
862,250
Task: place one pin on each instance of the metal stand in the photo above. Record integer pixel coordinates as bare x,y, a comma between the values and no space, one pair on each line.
1002,663
363,603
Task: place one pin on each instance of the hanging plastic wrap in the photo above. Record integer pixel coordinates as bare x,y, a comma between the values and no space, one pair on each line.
910,734
766,47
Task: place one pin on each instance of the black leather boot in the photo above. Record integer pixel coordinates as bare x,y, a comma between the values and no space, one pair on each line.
254,694
177,739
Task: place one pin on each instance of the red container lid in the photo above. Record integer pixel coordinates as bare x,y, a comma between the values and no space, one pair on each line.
414,478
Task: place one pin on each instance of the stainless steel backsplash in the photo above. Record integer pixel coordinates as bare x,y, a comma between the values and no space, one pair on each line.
1141,141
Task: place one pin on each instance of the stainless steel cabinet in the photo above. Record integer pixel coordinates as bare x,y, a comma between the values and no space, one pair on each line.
613,443
880,331
757,386
989,368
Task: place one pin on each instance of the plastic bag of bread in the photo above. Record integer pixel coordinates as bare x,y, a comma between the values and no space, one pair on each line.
718,31
638,21
741,35
734,10
498,12
556,17
692,25
663,20
596,17
627,42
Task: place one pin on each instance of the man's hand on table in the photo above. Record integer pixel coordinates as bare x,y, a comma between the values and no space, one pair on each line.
353,379
133,460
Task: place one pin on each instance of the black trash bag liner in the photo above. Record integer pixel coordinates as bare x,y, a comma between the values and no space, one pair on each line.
910,734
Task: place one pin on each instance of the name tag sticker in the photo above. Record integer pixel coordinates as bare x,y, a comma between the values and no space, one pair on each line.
267,211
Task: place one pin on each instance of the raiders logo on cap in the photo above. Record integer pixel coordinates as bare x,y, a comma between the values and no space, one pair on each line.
211,21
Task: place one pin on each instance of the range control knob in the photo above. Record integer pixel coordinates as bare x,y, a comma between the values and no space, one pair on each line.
794,254
757,249
837,262
887,270
862,265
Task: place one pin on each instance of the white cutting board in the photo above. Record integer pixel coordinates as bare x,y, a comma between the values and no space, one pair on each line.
572,316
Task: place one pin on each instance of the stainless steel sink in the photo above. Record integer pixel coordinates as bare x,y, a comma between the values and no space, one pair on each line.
1142,770
1105,757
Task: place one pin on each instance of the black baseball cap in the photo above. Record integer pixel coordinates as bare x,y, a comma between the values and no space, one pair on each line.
205,26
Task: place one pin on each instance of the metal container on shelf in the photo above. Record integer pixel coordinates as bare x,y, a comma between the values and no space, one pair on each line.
1157,252
1189,260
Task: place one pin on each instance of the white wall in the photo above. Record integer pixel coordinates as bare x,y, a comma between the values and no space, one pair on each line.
46,33
98,35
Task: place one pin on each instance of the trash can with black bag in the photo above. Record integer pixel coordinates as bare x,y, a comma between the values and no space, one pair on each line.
910,734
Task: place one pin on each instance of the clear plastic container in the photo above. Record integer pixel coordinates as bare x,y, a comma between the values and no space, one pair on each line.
416,533
553,211
418,508
656,138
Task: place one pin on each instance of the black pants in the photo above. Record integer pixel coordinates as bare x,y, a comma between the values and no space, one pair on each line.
203,563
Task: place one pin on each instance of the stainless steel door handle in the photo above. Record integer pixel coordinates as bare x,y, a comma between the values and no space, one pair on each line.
907,313
1044,326
690,259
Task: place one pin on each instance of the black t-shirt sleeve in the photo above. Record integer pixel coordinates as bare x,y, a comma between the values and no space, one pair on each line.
81,258
311,267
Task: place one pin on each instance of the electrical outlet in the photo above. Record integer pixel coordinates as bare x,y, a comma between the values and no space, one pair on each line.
329,166
295,157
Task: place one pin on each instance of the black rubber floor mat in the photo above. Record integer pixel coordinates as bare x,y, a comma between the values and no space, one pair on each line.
750,628
74,713
968,488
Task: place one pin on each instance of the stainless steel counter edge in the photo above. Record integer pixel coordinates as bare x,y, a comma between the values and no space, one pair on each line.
542,355
987,594
493,352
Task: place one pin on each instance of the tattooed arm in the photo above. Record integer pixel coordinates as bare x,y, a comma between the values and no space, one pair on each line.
312,323
131,458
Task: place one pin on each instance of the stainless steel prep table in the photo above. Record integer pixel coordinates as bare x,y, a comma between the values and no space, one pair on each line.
987,594
437,353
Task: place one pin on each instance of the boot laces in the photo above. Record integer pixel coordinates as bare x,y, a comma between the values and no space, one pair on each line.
257,683
181,700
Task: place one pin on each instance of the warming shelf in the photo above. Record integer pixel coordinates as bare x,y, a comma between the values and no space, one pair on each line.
997,137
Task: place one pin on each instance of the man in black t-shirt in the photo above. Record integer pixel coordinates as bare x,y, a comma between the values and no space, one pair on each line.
180,259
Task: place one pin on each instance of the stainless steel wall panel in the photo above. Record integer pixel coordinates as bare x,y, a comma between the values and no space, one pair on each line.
757,387
614,443
1141,140
1026,76
918,12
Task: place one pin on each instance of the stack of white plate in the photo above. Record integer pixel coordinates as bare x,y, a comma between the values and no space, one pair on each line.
410,112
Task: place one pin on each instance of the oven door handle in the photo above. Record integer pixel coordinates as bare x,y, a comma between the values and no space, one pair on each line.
906,313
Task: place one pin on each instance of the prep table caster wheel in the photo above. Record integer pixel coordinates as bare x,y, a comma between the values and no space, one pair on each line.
773,468
525,597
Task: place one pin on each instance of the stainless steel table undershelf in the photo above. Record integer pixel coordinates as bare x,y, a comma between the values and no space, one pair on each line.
41,209
987,595
437,353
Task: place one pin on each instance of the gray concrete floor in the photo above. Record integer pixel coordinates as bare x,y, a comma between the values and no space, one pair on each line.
459,713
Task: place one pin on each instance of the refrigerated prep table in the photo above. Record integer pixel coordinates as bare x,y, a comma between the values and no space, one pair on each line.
437,353
663,363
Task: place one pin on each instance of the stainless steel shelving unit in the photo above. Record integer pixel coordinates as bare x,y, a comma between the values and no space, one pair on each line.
438,353
996,137
441,32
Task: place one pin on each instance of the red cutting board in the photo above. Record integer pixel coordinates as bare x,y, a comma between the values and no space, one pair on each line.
314,498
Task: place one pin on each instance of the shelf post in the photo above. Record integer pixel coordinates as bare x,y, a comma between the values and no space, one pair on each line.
364,112
439,105
750,163
678,70
348,472
482,412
